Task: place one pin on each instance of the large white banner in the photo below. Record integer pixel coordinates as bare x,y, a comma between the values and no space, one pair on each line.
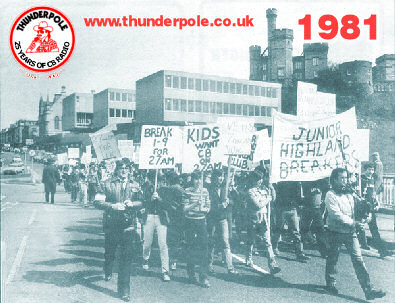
160,146
310,150
312,104
105,145
201,148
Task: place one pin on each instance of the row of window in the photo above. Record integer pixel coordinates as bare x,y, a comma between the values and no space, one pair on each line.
219,108
84,119
121,113
120,97
219,86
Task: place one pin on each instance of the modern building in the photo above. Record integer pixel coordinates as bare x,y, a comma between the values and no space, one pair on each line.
77,113
114,106
276,63
384,73
179,97
50,114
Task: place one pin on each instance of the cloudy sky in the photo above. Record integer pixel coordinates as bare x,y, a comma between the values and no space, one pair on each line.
117,57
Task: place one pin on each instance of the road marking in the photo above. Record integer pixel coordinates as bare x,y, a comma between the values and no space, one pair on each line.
32,217
256,267
18,260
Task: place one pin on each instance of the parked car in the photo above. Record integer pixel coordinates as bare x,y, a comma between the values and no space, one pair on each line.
19,167
16,159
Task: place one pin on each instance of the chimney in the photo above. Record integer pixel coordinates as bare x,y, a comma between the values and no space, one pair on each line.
63,91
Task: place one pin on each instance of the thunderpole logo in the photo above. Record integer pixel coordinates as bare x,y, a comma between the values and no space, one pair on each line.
42,39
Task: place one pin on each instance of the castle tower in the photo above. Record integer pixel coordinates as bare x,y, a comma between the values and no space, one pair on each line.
271,15
256,64
280,56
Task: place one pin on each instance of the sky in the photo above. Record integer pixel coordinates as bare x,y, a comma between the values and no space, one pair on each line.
117,57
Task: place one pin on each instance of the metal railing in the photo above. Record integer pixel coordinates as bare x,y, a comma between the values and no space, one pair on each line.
387,196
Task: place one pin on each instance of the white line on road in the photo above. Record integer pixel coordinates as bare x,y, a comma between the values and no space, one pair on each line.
32,217
18,260
256,267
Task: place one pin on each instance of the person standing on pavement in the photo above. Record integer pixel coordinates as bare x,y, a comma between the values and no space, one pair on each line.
196,207
50,177
120,199
342,225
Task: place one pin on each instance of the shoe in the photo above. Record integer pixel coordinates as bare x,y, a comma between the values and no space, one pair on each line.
276,251
165,277
145,265
249,262
173,266
211,269
302,258
232,271
332,289
273,266
205,283
108,277
125,298
372,294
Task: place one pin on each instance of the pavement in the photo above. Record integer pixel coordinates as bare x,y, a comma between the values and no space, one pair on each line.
54,253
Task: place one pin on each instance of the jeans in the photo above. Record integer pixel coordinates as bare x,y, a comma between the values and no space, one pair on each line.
289,216
74,192
83,191
312,220
128,242
152,224
197,246
351,242
52,196
219,230
260,229
175,238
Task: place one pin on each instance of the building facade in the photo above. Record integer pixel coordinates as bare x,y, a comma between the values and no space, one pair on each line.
114,106
77,113
384,73
179,97
19,132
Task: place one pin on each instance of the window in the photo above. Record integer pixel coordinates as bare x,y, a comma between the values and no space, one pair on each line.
274,92
112,113
226,87
264,66
212,86
239,109
176,82
168,104
348,72
212,107
250,110
263,110
219,87
117,113
205,85
112,96
78,98
251,90
198,84
257,110
245,89
263,91
219,108
130,114
190,106
190,83
232,109
57,122
168,81
226,108
245,109
198,106
84,119
183,105
269,92
315,74
269,111
233,88
315,61
124,113
183,82
118,96
264,77
257,91
124,97
238,88
176,105
130,98
205,107
298,65
280,72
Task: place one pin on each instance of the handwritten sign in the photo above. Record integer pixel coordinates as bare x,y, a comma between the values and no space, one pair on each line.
105,145
73,153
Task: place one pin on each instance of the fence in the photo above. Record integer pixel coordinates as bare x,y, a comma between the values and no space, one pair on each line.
387,196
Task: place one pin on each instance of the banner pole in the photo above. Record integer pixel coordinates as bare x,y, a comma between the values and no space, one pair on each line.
228,177
156,179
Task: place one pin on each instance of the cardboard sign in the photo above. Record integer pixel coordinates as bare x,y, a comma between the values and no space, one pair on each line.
201,149
86,159
160,146
73,153
62,159
126,148
105,145
310,150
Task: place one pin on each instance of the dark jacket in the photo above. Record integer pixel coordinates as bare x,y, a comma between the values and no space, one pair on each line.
314,193
115,193
50,177
160,207
288,194
217,197
173,197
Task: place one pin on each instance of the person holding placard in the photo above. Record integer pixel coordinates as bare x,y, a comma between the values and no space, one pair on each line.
196,207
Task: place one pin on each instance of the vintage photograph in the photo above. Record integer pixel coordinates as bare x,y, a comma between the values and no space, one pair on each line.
197,151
